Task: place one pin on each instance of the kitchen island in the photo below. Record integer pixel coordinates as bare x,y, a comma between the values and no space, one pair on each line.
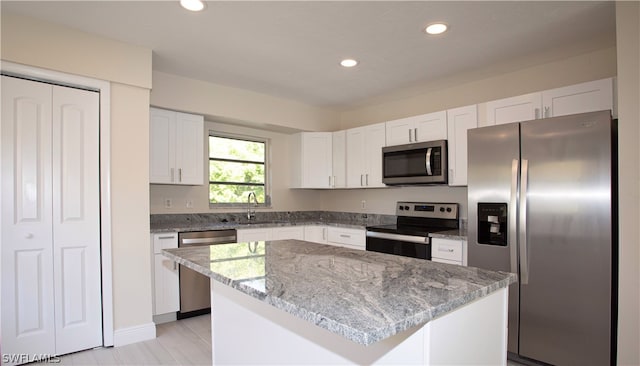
295,302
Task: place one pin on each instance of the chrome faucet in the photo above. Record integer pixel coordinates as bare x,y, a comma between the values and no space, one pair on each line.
251,214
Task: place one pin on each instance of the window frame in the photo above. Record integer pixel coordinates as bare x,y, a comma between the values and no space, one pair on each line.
267,169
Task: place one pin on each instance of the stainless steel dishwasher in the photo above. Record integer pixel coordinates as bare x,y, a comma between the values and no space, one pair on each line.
195,297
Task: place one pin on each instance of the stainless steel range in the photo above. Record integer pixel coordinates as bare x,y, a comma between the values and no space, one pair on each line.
409,237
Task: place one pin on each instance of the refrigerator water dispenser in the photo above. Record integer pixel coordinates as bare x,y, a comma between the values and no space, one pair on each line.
492,223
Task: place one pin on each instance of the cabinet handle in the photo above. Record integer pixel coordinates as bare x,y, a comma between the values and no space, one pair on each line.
537,113
166,237
361,180
410,136
415,134
445,250
366,176
175,266
172,175
180,175
330,185
345,236
547,112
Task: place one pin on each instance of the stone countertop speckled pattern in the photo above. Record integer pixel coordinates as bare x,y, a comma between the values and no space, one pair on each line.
362,296
236,225
456,234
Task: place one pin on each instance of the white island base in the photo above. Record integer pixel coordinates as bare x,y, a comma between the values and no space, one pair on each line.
246,330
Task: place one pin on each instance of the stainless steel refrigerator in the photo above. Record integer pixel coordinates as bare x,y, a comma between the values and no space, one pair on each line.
542,203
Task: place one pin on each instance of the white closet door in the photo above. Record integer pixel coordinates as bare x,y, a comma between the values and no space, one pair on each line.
76,220
27,259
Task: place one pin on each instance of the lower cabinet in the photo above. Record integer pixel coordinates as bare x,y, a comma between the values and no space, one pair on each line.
316,234
348,238
166,287
449,251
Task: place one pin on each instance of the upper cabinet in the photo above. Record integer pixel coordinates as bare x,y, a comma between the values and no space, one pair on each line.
426,127
176,148
312,165
339,159
459,120
364,156
515,109
580,98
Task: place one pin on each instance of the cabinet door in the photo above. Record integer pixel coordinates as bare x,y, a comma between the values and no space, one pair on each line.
339,157
189,160
400,131
516,109
355,157
258,234
315,234
287,232
316,159
374,142
580,98
162,146
166,281
459,120
430,127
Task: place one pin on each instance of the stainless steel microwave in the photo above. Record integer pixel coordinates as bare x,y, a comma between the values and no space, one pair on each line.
417,163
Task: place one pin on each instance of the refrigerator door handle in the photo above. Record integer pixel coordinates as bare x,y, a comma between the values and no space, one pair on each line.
513,217
524,257
428,161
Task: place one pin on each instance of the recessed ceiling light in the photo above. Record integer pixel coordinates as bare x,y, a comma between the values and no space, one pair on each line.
348,62
193,5
436,28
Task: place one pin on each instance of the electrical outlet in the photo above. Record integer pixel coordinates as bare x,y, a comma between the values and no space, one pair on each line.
167,203
189,204
363,204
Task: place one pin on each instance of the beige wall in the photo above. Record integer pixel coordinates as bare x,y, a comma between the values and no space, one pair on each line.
283,199
35,43
222,103
628,41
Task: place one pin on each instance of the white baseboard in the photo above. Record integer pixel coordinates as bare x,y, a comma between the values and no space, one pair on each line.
139,333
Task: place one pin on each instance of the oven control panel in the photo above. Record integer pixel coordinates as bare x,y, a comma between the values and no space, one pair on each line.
423,209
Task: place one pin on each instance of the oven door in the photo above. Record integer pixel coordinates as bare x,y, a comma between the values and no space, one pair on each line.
404,245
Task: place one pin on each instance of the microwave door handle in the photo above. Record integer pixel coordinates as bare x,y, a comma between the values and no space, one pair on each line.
428,161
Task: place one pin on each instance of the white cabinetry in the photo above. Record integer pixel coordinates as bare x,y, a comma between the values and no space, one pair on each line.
176,148
339,156
166,285
345,237
364,156
426,127
580,98
312,160
287,232
459,120
514,109
449,251
316,234
50,219
257,234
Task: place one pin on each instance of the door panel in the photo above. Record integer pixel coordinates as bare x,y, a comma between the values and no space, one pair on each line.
76,220
27,259
492,151
566,304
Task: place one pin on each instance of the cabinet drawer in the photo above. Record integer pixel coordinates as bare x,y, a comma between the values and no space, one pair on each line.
164,241
350,237
446,249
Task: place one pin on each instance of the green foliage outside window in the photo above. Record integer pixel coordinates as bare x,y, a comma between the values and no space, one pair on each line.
236,167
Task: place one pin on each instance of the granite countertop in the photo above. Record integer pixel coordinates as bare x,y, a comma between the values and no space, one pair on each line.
362,296
179,227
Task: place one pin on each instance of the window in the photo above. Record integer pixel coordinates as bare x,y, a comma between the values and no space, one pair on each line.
237,166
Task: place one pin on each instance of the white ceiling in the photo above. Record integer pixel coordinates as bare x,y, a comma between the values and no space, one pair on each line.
292,49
